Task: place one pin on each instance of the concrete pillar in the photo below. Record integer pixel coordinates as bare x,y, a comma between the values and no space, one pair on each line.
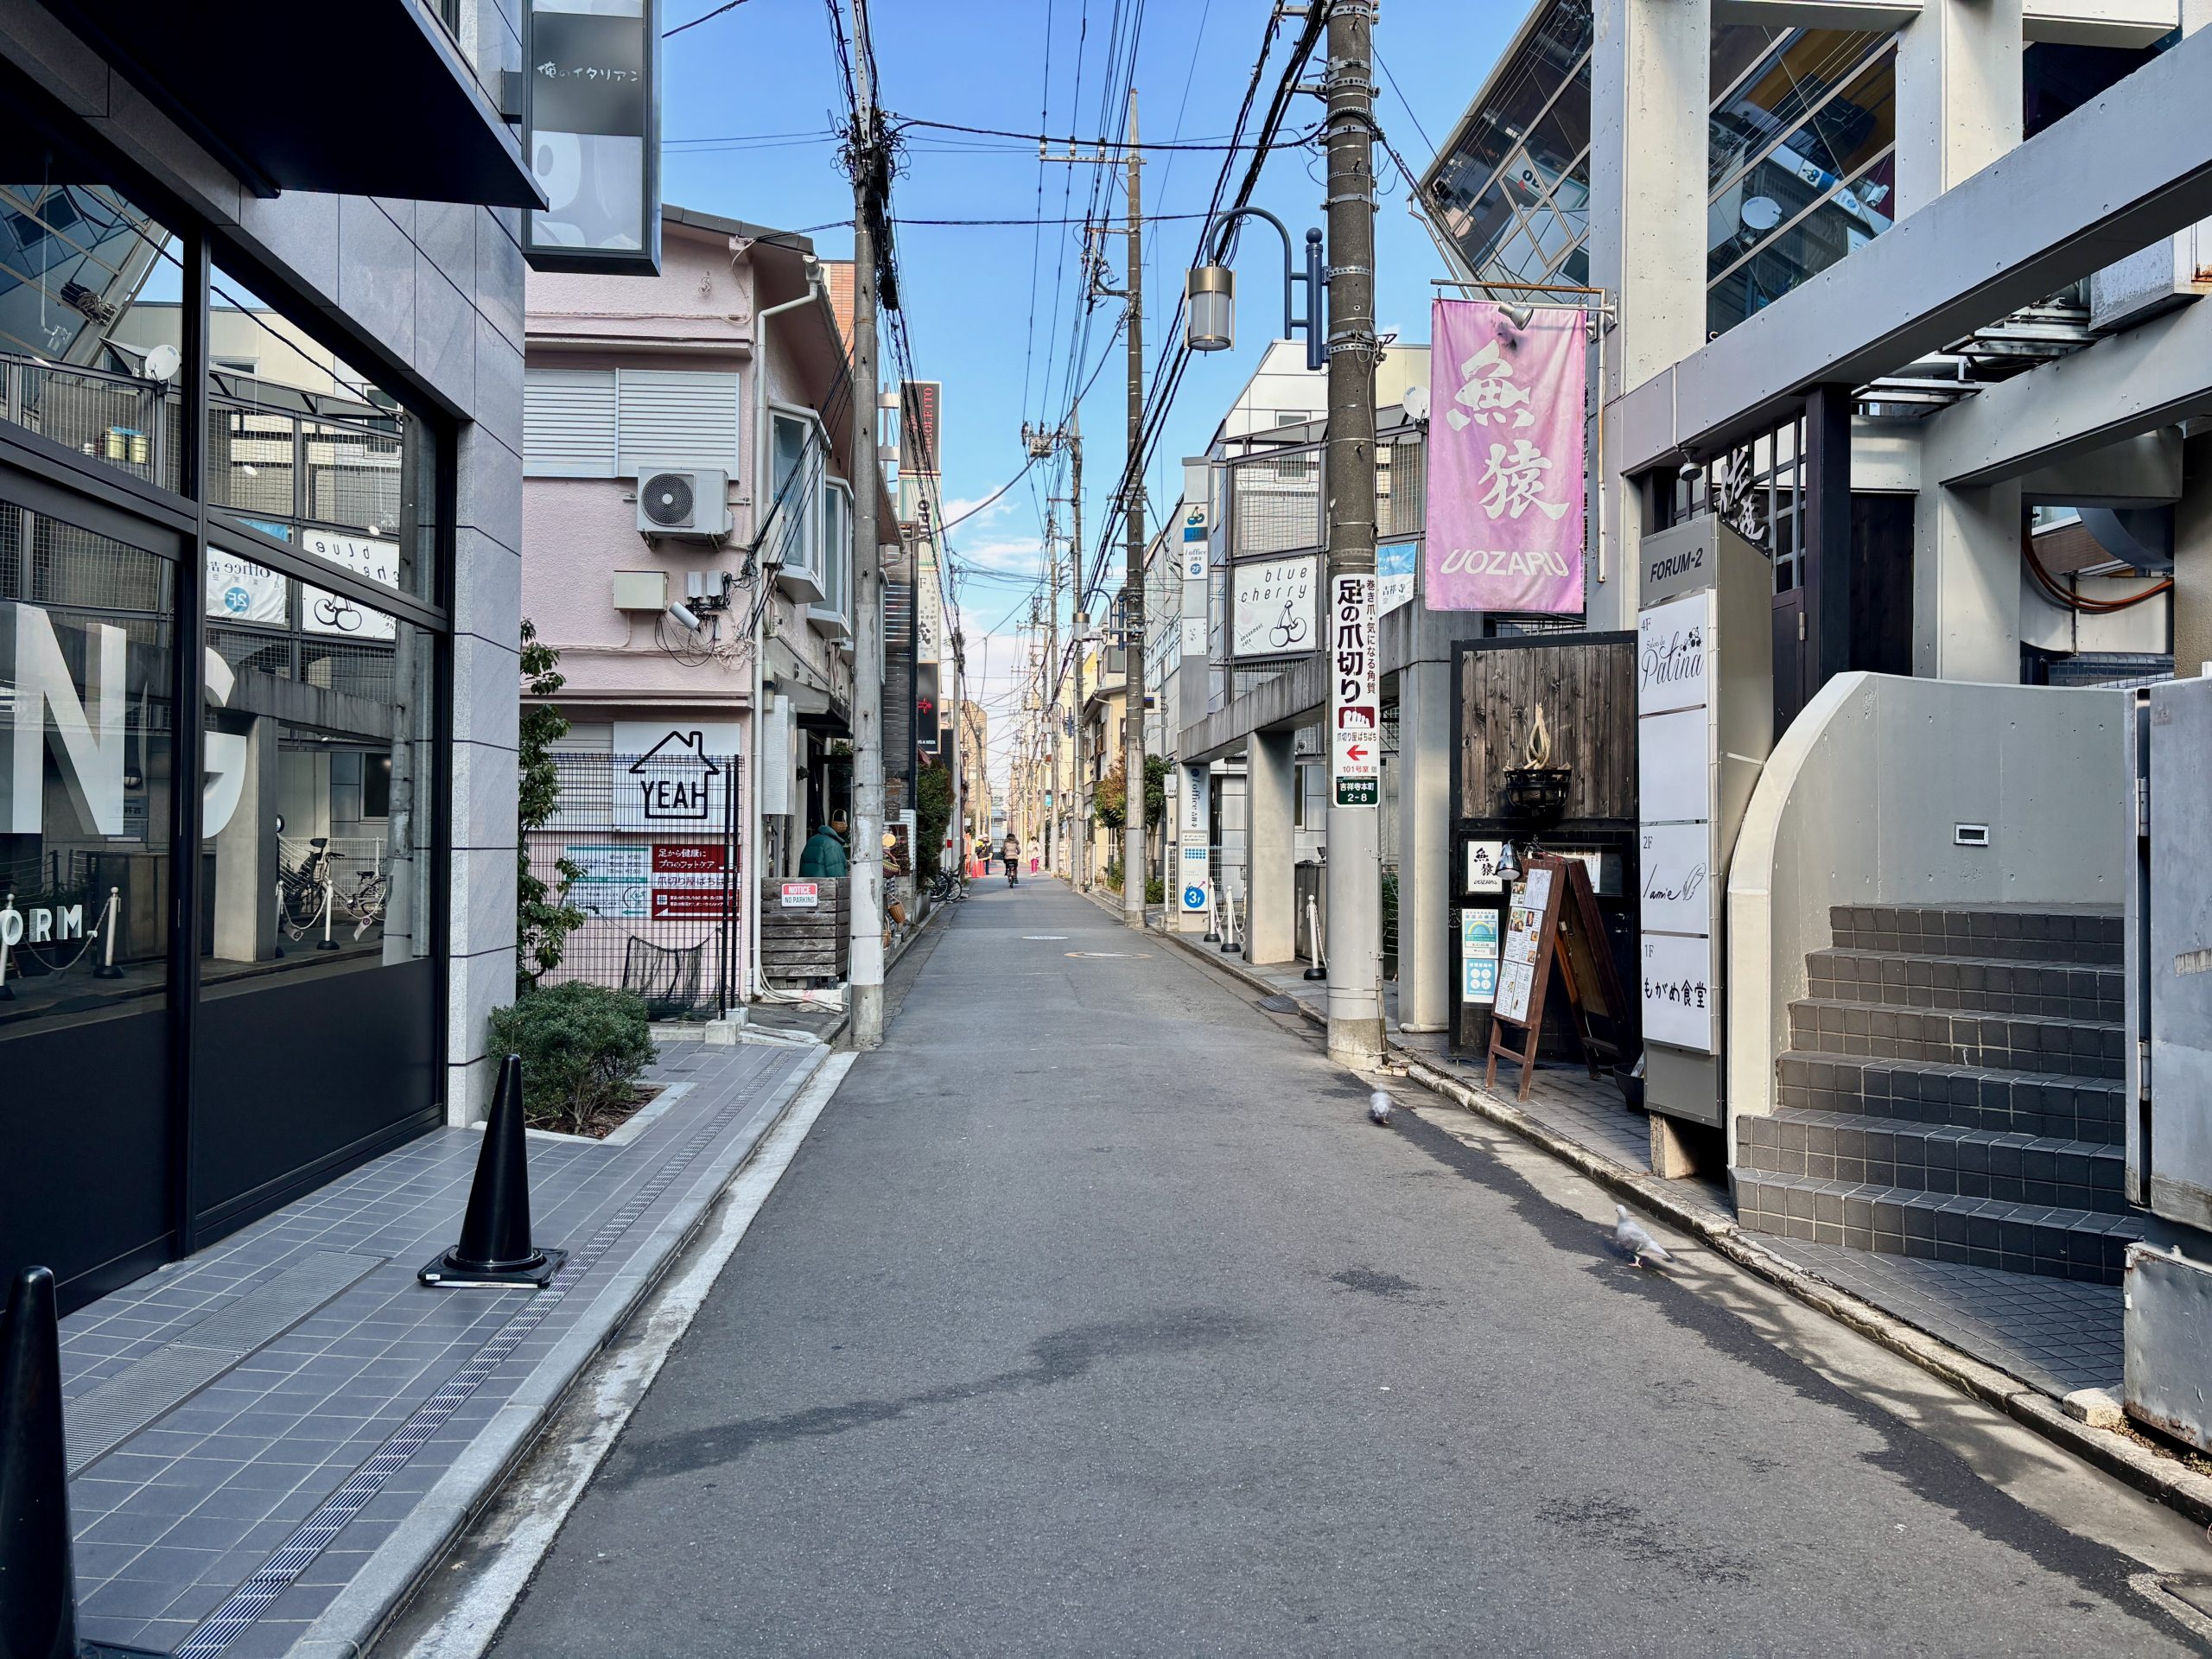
1958,107
1648,93
1427,980
2193,559
1271,881
1965,576
245,857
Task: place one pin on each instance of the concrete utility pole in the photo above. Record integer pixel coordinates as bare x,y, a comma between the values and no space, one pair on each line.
1133,831
867,852
962,846
1355,813
1079,625
1048,694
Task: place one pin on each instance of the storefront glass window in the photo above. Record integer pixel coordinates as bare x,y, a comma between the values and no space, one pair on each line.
306,448
85,773
75,255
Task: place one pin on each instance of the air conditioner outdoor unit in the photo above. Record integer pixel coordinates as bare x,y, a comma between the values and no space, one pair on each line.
691,502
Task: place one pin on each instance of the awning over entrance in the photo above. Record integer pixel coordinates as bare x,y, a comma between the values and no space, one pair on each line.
372,99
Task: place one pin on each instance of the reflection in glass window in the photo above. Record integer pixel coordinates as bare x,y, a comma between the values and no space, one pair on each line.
84,853
320,864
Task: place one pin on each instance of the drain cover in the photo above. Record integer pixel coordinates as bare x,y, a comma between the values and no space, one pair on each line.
1279,1004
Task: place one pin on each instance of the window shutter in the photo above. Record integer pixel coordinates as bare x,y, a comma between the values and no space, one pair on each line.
678,417
568,423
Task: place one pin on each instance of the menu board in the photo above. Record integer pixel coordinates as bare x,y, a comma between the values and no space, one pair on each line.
1524,928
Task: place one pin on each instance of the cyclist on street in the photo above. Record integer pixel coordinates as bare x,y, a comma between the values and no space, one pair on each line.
1011,851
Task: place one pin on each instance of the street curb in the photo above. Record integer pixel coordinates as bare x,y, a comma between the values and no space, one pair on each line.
2169,1483
349,1627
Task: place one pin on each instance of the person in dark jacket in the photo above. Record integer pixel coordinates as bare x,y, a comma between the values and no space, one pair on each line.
824,854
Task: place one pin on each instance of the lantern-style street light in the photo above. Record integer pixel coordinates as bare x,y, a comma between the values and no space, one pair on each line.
1210,292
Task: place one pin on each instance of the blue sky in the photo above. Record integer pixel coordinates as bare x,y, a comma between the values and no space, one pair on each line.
763,77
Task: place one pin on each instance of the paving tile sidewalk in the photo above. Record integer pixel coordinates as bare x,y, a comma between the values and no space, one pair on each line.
2053,1335
309,1473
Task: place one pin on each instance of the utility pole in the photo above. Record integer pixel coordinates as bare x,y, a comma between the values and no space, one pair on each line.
1079,626
870,179
1133,827
961,846
1355,850
1048,689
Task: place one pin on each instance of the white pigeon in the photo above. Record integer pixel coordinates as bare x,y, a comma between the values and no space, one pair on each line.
1630,1234
1379,1108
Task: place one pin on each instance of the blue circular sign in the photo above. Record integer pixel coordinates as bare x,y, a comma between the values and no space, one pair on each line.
1194,897
237,601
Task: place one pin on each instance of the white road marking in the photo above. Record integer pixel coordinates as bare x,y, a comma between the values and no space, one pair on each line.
539,1501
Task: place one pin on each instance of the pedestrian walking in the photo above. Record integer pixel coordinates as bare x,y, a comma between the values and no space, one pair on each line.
824,853
1011,851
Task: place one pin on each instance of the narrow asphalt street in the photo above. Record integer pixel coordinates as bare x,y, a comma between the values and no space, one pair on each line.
1094,1317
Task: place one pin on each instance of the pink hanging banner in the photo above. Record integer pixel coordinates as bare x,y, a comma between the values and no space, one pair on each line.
1505,440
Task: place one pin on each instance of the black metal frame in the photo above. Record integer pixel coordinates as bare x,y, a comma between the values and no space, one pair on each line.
50,479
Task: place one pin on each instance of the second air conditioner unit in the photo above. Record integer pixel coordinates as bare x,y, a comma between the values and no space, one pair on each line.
688,502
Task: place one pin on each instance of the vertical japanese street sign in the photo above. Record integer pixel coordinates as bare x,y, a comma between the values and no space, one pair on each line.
1355,694
1505,459
591,129
921,421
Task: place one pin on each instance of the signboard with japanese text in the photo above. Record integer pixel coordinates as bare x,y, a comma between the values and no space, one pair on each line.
689,879
612,884
1505,524
1524,926
1393,571
1355,694
591,135
1678,990
1478,956
1272,606
1482,866
921,422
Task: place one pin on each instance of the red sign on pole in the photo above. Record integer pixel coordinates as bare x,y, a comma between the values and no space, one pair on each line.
689,857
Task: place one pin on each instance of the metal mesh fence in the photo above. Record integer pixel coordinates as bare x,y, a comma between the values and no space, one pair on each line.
652,850
353,476
1400,484
116,418
1275,502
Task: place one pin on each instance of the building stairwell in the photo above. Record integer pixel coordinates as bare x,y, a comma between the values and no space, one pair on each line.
1953,1091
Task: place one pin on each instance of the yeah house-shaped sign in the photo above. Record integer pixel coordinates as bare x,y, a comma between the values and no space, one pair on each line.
675,784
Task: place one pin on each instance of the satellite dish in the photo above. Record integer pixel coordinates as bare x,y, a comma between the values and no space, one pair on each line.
1415,402
162,363
1762,213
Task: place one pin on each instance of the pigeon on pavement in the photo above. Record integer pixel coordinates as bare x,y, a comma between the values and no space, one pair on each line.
1643,1249
1379,1108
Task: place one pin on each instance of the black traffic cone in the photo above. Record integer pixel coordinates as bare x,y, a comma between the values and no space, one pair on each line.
38,1589
495,1249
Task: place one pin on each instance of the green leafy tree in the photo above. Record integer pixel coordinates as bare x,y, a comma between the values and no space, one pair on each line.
1110,801
933,812
1155,791
543,916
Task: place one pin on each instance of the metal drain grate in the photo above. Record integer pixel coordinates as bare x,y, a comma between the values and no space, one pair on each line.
1279,1004
119,1408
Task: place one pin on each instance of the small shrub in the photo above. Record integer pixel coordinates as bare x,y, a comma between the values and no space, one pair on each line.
1155,891
1114,874
583,1048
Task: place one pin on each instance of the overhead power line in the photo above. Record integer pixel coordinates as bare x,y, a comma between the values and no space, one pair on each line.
703,17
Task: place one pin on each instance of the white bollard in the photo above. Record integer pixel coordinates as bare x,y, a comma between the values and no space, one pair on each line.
1321,968
107,970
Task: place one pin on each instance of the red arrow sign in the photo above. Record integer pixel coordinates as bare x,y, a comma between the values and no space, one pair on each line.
1356,752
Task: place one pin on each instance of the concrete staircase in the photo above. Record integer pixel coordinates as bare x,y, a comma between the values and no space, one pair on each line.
1953,1091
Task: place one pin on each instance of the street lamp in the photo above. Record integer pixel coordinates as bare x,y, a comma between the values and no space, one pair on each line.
1210,292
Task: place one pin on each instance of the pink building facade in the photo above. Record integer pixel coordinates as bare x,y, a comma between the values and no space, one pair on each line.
687,550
